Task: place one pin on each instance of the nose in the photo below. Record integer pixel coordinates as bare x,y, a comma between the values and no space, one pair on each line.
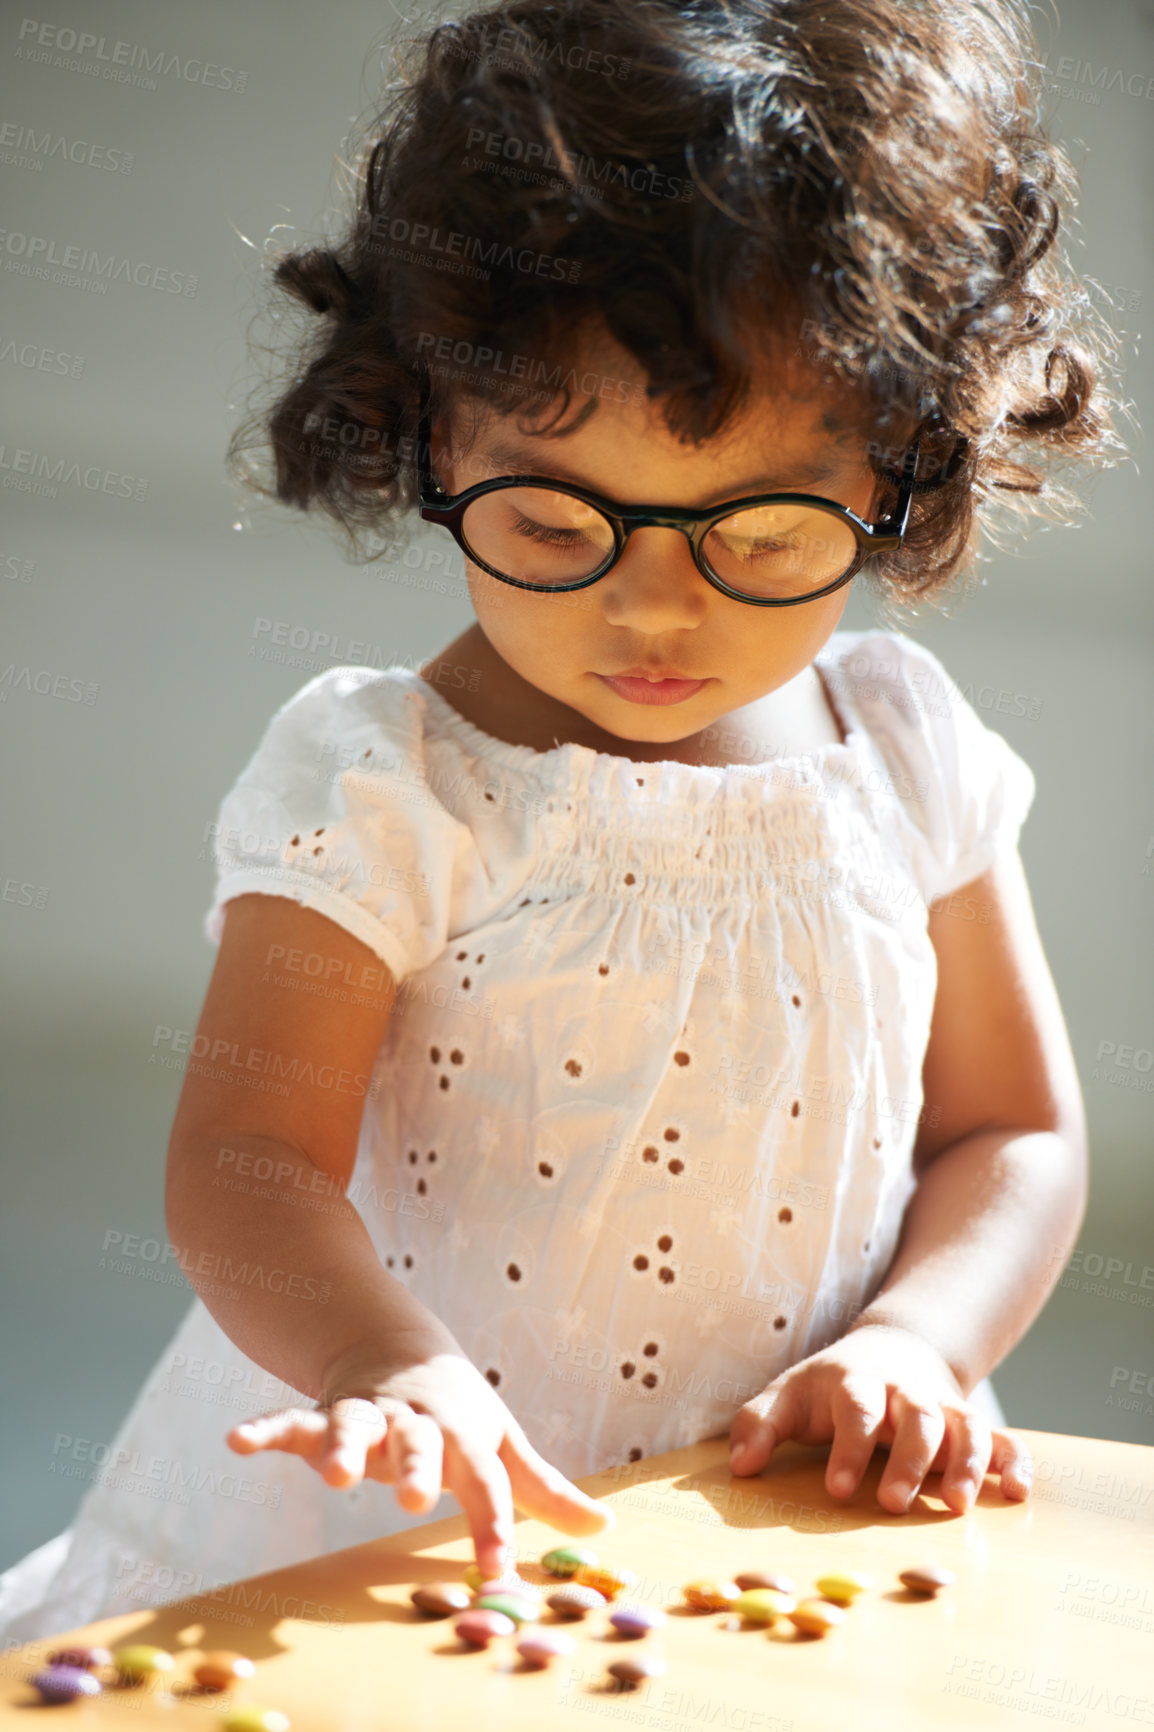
655,585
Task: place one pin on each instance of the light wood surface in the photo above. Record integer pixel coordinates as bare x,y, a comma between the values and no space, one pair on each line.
1050,1621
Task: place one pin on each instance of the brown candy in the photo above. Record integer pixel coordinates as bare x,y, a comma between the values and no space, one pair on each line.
221,1669
87,1659
927,1578
764,1579
637,1668
574,1600
711,1595
439,1599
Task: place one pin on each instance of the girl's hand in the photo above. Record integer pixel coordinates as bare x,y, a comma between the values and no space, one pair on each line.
885,1386
437,1425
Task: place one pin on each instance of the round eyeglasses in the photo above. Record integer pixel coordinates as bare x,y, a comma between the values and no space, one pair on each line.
769,549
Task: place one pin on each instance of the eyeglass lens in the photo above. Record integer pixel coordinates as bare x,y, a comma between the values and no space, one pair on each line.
539,536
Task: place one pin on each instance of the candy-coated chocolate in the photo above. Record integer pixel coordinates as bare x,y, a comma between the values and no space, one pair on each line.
438,1599
574,1600
512,1605
473,1577
844,1586
765,1579
816,1617
221,1669
711,1596
636,1620
86,1658
608,1579
539,1647
138,1661
66,1683
927,1578
566,1560
763,1605
251,1717
637,1668
479,1626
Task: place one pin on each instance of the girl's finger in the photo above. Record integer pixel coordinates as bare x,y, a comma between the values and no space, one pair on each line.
968,1457
480,1484
1013,1463
859,1415
759,1426
918,1431
414,1453
297,1430
540,1490
355,1426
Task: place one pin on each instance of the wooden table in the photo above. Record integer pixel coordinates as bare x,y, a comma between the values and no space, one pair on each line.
1049,1622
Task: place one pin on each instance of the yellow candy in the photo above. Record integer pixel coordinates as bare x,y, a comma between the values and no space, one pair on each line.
607,1579
844,1586
251,1718
473,1577
763,1605
711,1596
138,1661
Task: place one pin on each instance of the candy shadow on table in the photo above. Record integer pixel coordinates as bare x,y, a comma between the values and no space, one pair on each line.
345,1586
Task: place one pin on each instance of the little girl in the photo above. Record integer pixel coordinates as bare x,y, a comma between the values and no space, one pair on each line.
632,1027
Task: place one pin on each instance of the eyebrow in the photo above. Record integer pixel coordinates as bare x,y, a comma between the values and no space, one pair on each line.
509,459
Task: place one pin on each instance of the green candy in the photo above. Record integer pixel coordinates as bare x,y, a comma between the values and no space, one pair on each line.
521,1611
139,1661
564,1560
252,1718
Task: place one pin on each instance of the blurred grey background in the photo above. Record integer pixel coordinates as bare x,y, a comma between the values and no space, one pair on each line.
151,604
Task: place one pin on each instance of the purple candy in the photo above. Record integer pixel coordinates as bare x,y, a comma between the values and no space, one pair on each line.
65,1683
636,1620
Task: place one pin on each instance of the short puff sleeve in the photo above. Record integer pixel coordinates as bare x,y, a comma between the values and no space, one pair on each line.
971,792
335,810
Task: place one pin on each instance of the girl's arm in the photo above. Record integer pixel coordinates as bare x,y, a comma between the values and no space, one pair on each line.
1001,1195
257,1215
1004,1171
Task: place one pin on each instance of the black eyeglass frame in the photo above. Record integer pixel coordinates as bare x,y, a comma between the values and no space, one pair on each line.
884,536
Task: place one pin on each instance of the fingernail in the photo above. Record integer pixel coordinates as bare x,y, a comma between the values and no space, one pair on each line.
842,1483
902,1490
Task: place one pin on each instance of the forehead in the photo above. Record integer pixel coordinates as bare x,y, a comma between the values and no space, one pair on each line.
796,426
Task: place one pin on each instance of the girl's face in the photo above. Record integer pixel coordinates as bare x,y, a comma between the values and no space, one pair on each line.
544,655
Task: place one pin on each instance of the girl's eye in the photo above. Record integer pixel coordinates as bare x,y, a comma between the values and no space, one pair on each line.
545,533
749,551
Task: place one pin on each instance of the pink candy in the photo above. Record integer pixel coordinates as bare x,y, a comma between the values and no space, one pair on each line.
539,1646
480,1626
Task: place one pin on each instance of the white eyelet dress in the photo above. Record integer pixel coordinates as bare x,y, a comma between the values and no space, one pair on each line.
640,1128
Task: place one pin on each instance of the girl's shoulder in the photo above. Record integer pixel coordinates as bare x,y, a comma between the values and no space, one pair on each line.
962,790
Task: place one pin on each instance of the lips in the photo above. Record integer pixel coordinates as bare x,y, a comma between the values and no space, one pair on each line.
653,674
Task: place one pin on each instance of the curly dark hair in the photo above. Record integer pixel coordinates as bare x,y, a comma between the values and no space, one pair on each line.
865,180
